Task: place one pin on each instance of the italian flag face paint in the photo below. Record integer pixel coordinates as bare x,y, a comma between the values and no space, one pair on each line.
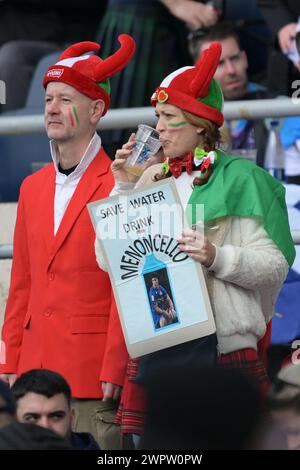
71,117
176,125
74,120
75,115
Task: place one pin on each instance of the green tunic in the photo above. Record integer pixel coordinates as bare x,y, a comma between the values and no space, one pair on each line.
239,188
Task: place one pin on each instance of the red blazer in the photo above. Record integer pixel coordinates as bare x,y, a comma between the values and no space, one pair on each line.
60,312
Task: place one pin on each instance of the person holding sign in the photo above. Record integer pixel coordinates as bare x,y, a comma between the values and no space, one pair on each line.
246,248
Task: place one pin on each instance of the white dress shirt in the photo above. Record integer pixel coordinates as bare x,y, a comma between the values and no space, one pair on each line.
65,185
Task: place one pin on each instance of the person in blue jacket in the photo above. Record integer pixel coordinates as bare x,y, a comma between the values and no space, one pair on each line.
43,397
161,304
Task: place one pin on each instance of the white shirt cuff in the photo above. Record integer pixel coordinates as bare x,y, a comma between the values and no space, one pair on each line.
121,186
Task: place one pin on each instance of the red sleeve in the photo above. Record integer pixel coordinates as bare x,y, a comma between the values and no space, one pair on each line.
115,355
18,296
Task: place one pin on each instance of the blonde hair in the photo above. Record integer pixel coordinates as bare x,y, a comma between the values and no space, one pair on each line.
210,137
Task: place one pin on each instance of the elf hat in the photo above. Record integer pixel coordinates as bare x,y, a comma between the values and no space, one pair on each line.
194,89
88,73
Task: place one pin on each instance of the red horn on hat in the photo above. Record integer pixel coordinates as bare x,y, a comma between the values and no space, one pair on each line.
206,66
78,49
118,60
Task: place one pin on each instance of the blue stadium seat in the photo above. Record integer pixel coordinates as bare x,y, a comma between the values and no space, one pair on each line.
36,94
22,155
286,324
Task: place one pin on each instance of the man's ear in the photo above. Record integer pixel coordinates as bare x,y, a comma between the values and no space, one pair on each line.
97,110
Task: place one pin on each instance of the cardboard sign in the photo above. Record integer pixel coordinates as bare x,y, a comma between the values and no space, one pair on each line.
159,290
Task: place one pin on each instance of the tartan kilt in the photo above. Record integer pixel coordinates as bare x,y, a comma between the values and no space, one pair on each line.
132,409
161,49
249,362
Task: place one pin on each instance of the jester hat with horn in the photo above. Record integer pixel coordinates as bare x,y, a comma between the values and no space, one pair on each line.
88,73
194,89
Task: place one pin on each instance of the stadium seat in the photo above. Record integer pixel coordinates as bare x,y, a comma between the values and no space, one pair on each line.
21,155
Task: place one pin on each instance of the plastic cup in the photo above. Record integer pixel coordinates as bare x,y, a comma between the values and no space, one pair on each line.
147,144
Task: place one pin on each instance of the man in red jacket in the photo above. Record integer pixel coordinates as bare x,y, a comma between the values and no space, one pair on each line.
60,312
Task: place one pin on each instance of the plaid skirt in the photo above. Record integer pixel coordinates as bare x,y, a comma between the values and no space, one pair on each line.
132,410
161,48
249,362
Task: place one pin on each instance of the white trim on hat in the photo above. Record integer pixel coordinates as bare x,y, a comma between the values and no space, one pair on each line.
166,81
71,61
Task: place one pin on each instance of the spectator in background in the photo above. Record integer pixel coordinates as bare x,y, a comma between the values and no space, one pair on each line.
283,401
247,137
7,405
60,312
48,20
43,398
281,17
226,411
159,28
193,13
23,436
31,29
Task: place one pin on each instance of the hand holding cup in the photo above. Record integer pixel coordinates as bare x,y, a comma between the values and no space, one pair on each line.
118,165
146,145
